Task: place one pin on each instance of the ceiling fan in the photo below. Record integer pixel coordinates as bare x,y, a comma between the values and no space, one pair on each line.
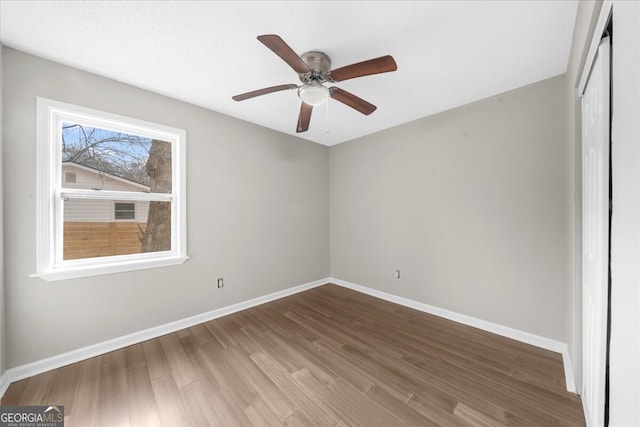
314,69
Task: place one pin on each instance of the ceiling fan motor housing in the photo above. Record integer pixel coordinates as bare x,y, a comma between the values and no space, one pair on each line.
320,66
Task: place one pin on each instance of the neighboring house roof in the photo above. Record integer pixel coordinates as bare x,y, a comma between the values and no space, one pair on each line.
107,174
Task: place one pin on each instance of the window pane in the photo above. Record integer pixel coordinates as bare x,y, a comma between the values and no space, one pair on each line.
125,211
107,160
90,231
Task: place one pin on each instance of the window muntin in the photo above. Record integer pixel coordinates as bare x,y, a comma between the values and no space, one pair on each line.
110,156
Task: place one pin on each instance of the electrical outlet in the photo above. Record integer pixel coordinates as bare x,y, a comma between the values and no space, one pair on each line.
397,274
220,282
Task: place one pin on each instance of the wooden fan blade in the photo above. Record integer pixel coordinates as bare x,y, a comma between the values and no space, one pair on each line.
262,91
383,64
349,99
304,117
282,49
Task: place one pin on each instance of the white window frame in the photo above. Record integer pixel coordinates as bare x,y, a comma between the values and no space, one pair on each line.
50,193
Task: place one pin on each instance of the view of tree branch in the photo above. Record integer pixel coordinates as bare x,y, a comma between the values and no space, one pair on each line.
135,158
118,154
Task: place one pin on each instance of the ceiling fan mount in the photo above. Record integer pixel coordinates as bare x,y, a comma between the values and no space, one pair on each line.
314,69
319,65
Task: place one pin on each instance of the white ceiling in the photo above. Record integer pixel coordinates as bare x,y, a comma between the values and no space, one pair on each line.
449,53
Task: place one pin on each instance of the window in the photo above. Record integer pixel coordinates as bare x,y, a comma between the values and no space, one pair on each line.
111,193
124,211
70,177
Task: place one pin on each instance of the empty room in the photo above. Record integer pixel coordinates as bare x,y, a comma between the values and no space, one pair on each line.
320,213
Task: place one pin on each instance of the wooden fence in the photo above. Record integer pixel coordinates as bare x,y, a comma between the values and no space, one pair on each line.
97,239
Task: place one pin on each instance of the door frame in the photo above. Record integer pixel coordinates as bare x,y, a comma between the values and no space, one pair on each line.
600,30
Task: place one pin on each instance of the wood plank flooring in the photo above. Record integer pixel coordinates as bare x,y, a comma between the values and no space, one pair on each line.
328,356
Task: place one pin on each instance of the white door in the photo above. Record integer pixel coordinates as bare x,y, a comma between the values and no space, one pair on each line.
595,234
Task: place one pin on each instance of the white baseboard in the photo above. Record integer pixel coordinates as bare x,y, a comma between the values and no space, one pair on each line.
54,362
505,331
568,370
4,383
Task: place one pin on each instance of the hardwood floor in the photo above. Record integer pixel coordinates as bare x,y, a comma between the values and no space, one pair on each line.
328,356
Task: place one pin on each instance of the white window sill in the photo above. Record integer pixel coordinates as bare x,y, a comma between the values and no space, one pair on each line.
74,272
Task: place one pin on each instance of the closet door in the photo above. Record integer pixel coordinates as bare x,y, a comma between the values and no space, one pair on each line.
595,233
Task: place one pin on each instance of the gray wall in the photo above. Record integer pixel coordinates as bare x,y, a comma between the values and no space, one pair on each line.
469,204
257,215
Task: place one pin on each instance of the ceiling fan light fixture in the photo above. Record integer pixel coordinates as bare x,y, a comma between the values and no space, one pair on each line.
313,93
